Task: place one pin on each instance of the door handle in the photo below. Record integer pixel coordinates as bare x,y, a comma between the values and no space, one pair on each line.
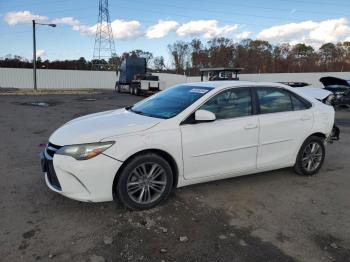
305,118
251,126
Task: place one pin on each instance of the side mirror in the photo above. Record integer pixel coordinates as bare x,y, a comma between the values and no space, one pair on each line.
204,116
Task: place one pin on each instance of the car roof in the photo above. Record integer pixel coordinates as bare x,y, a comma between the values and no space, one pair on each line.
235,83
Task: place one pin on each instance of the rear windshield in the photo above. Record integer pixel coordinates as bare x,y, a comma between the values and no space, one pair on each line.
170,102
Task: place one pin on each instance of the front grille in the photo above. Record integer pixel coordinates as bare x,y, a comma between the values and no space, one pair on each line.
51,175
51,149
50,170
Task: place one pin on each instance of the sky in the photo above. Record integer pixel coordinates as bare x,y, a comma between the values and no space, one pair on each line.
151,25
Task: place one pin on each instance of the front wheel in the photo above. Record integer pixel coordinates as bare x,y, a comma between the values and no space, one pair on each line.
310,157
145,182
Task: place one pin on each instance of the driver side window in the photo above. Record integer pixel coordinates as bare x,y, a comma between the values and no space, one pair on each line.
235,102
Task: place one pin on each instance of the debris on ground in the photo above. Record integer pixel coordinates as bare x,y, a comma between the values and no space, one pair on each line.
183,239
95,258
108,240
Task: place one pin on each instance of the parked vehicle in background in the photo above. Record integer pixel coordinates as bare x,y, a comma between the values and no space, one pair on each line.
335,85
134,79
187,134
220,73
295,84
339,87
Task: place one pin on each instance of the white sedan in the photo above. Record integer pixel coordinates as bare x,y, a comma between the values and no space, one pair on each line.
187,134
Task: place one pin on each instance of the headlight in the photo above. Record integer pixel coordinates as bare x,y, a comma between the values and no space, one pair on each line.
84,151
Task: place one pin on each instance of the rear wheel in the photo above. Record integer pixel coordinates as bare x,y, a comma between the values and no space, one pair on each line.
137,91
117,87
310,157
145,182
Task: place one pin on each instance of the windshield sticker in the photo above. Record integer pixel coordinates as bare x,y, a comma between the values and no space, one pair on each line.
198,90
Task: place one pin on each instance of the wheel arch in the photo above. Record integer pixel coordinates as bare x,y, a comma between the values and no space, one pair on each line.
318,134
162,153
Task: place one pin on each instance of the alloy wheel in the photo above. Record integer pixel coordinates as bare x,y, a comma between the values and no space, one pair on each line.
312,156
146,183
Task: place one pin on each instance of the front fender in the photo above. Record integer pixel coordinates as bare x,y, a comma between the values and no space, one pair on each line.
168,141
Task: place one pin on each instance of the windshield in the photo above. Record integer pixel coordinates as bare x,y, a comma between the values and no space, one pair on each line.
170,102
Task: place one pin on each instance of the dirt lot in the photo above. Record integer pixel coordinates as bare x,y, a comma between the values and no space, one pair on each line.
274,216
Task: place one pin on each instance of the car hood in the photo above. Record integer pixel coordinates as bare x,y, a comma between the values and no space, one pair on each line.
330,80
95,127
315,92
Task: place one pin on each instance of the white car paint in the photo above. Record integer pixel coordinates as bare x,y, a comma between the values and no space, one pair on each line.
315,92
202,152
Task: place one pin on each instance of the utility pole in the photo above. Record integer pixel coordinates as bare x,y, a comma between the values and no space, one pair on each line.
104,47
34,58
34,51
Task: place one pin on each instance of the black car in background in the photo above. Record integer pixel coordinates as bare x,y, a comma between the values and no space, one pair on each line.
339,87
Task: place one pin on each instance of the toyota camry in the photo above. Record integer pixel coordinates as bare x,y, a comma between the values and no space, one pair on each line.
187,134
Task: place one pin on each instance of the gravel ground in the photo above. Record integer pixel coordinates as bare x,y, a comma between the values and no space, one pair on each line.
273,216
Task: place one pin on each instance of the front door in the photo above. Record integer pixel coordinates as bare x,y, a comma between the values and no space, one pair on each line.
226,145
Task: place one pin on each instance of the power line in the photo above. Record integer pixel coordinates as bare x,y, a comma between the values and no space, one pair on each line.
314,2
272,8
173,14
37,4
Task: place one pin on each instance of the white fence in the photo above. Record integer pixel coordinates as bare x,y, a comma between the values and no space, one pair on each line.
57,79
78,79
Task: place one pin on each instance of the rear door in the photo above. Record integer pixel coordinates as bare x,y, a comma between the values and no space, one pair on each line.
285,120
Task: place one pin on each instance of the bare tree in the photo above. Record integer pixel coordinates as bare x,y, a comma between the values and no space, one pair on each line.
180,52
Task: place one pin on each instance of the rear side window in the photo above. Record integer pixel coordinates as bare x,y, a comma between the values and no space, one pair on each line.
274,100
235,102
298,104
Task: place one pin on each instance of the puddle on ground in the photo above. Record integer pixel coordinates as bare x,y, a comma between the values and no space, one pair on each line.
89,99
39,103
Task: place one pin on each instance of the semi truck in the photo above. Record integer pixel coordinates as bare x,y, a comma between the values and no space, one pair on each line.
134,78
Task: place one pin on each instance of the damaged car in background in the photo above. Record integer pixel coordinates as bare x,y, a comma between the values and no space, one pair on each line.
340,89
184,135
336,91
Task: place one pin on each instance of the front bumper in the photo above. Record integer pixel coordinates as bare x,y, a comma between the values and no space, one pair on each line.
85,180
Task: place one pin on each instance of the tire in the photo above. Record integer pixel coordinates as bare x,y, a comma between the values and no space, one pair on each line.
131,185
308,163
117,87
131,90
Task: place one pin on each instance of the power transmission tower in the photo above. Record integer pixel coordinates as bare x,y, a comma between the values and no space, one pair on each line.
104,48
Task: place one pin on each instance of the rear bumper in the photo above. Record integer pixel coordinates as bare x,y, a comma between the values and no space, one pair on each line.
334,136
88,180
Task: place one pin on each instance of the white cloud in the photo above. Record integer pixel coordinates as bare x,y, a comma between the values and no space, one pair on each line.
206,28
161,29
309,32
122,30
40,53
243,35
126,29
71,21
22,17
